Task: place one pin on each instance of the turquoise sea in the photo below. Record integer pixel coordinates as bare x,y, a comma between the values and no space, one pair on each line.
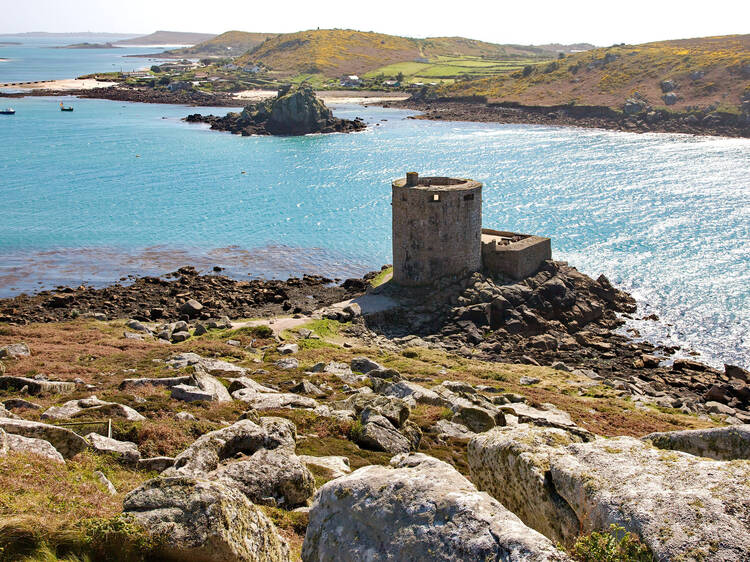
116,188
36,58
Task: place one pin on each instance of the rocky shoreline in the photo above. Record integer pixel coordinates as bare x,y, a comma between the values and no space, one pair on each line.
479,110
140,95
558,317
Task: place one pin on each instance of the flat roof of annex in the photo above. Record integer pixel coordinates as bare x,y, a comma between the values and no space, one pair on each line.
435,183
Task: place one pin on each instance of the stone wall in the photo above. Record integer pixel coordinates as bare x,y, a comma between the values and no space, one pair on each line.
517,259
437,225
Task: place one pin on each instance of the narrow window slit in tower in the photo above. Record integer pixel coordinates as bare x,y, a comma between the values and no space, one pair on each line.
435,197
469,197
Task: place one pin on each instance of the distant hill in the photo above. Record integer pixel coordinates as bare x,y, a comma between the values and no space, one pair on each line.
228,44
68,34
169,38
702,71
336,52
573,48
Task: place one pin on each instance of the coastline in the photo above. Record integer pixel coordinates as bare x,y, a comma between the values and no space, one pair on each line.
91,88
479,110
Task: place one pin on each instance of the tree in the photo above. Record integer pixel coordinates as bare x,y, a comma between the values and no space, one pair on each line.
400,77
156,69
164,80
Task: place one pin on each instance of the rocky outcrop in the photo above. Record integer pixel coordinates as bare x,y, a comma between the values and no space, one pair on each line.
273,400
336,466
14,351
678,504
383,423
125,451
64,440
512,464
420,508
204,520
256,459
36,386
294,111
274,477
202,386
21,444
91,407
721,443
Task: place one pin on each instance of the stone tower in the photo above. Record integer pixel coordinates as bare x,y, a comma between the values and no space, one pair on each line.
437,228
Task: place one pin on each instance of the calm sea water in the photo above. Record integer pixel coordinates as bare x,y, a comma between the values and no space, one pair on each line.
37,59
116,188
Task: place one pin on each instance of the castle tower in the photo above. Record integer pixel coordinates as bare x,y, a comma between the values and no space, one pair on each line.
437,228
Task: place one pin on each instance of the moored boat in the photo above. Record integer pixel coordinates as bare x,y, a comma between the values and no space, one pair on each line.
7,111
63,108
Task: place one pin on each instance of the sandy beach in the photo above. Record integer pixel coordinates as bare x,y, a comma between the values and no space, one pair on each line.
71,84
329,96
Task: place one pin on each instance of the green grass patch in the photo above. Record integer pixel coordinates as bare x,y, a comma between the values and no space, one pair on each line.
381,277
613,545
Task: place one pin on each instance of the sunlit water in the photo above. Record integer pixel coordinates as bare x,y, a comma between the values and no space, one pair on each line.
116,188
37,59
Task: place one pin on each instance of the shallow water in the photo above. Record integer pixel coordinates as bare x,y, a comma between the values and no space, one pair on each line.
115,188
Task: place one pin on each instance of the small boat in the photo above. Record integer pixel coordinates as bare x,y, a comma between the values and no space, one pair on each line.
63,108
7,111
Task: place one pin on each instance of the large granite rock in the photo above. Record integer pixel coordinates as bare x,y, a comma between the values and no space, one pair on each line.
256,459
680,505
67,442
420,508
720,443
202,386
273,400
125,451
21,444
294,111
214,367
242,437
91,407
14,351
276,477
205,521
36,386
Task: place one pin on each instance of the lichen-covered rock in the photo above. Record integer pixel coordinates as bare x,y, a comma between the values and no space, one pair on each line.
720,443
511,464
546,415
273,400
244,436
36,386
410,392
3,443
448,429
214,367
202,386
418,509
14,351
337,466
156,464
21,444
67,442
125,451
682,507
92,407
276,477
205,521
168,382
379,434
394,409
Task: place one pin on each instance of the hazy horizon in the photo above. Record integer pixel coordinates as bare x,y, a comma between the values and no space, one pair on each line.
547,22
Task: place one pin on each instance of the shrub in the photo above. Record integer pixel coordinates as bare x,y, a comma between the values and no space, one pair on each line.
527,70
355,432
614,545
156,69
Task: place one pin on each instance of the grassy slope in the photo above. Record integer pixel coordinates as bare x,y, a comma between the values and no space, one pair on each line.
55,500
336,52
584,78
228,44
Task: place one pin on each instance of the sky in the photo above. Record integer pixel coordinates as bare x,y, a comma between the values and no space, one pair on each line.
525,22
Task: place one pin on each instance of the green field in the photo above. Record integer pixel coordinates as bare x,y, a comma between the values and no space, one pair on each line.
448,69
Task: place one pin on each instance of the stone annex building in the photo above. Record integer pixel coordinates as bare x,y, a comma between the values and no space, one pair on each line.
437,232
